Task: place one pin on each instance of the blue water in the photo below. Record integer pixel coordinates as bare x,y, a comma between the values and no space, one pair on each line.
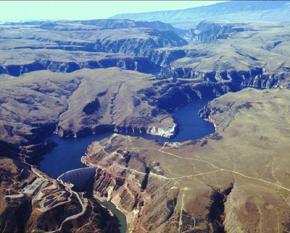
66,155
190,125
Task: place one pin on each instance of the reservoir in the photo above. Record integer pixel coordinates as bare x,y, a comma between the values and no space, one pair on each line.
66,154
190,125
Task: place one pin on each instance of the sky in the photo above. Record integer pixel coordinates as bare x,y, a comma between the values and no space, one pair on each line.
82,10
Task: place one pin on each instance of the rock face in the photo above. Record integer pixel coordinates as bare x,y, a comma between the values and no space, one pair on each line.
127,63
51,206
139,46
75,105
162,132
235,79
164,57
69,46
204,185
206,32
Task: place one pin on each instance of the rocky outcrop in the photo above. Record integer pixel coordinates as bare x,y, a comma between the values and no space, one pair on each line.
168,129
162,132
170,94
136,41
140,64
206,32
256,77
230,80
140,47
164,57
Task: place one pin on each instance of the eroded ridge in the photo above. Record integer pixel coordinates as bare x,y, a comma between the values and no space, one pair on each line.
209,185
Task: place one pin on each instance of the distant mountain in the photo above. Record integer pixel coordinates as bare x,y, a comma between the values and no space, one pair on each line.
233,11
97,23
123,23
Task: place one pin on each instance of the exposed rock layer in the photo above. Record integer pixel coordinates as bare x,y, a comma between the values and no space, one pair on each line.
210,185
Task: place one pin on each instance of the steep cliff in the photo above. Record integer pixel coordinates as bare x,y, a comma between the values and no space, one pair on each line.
134,38
231,181
66,46
206,32
61,62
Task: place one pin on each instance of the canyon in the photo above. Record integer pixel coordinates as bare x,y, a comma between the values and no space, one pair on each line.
121,83
210,185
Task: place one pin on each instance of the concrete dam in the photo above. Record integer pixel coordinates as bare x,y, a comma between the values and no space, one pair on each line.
81,178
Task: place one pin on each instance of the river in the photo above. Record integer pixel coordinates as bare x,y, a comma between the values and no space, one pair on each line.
66,155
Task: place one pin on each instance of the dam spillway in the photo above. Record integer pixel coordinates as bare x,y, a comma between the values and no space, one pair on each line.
80,177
